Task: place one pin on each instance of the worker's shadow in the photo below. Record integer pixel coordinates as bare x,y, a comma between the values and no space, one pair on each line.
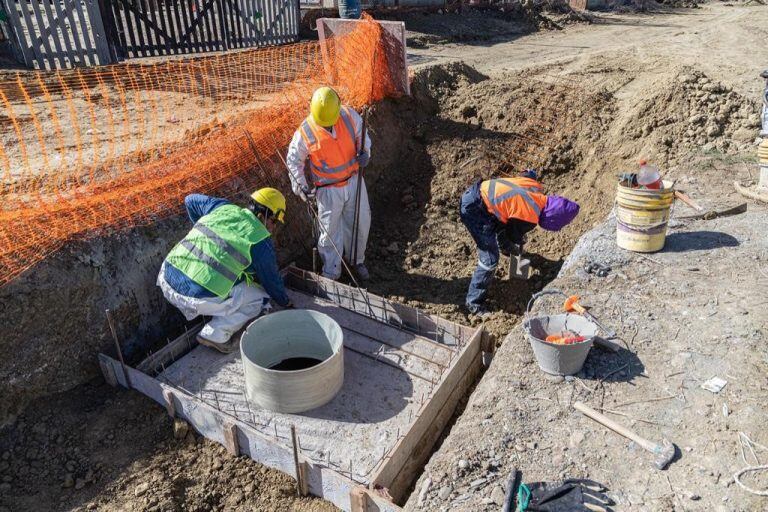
606,366
689,241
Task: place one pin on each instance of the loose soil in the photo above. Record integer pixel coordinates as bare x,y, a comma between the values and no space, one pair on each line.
666,87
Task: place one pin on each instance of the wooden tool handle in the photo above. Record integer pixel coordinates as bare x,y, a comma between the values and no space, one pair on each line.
608,422
578,308
687,200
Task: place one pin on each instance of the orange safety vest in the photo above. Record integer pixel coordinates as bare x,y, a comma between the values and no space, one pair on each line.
332,161
513,198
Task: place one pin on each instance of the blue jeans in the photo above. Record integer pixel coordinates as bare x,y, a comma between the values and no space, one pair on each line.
482,226
350,9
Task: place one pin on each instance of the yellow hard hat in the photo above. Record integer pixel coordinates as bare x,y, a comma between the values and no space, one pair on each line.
325,107
272,199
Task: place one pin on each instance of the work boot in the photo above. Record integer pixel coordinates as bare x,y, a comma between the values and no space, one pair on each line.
225,348
362,272
479,311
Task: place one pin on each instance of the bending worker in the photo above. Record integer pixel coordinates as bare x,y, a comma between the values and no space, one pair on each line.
330,139
498,213
226,266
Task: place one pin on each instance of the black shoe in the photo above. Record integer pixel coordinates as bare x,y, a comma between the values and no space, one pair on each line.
225,348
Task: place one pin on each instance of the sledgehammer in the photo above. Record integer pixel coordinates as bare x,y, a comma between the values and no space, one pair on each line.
664,452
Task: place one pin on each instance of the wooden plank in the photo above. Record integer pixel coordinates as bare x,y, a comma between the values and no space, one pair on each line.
358,499
166,22
411,342
99,32
183,21
414,464
323,481
222,26
230,439
72,49
35,32
428,326
88,47
171,352
17,28
65,58
170,405
398,459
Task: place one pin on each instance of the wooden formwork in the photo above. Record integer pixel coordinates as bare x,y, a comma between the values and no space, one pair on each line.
438,359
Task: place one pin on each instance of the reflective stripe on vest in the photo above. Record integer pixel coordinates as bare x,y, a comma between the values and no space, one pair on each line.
332,161
217,250
522,188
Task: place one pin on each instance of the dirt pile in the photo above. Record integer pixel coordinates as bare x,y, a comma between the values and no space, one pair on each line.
99,448
686,314
689,111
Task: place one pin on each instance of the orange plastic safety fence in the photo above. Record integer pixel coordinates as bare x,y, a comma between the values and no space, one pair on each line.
96,150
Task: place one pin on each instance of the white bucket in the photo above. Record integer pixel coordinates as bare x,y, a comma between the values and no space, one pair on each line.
292,335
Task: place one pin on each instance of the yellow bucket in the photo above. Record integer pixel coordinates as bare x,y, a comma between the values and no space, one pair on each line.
762,152
642,216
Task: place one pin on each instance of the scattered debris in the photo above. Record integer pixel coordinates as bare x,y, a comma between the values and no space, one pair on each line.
715,384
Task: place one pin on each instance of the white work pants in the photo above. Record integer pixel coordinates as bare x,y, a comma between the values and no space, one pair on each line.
229,315
336,210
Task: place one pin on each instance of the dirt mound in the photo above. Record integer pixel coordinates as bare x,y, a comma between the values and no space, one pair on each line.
99,448
692,112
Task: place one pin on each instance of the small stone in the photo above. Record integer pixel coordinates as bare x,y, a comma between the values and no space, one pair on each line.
79,484
71,465
520,448
444,492
694,497
217,464
69,481
477,483
576,439
180,429
497,495
530,446
463,464
393,247
141,489
714,131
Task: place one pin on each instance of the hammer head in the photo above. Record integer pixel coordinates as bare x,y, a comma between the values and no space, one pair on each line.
665,452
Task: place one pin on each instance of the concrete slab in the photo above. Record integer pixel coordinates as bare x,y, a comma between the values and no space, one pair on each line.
405,372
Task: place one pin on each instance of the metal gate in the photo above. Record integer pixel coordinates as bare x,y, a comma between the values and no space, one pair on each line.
142,28
56,33
51,34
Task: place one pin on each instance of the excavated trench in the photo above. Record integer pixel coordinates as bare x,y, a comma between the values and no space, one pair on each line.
458,126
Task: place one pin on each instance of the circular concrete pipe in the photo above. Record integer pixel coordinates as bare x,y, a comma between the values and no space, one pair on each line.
293,360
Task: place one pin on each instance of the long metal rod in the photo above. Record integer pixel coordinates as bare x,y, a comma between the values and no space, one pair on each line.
111,323
389,363
360,178
296,460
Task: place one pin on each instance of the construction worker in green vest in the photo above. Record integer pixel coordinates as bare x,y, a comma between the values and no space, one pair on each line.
226,266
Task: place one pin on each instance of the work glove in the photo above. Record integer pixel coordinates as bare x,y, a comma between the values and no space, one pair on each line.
572,495
363,159
306,194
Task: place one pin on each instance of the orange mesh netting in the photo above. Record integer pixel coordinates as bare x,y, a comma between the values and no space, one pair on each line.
90,151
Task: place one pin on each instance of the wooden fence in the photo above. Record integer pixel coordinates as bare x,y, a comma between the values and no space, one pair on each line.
68,33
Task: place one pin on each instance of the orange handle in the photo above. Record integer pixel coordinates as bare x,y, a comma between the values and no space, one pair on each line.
572,304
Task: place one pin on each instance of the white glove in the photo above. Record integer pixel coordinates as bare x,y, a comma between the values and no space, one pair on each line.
306,194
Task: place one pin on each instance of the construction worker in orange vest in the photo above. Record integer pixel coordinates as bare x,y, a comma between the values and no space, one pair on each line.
498,213
331,140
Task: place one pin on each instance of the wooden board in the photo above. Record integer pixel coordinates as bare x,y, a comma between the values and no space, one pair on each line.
394,474
214,425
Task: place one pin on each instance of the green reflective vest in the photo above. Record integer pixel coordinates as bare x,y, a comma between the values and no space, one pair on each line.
217,250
